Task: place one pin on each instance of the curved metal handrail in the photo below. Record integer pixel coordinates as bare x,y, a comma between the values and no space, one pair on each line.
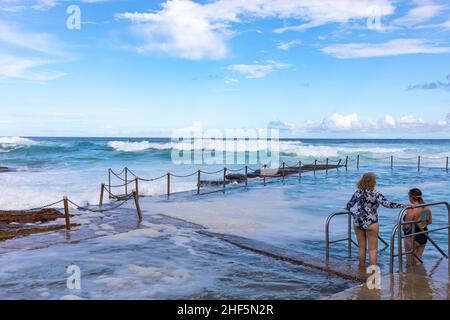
397,229
349,239
349,232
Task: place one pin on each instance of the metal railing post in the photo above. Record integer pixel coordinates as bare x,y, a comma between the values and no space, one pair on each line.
357,161
400,246
446,165
284,170
392,249
102,189
392,162
315,166
326,166
67,212
346,162
198,181
418,164
349,234
168,185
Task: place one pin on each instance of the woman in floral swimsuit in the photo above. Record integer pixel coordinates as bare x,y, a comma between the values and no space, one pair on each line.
366,217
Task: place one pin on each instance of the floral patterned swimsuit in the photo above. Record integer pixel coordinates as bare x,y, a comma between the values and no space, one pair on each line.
368,203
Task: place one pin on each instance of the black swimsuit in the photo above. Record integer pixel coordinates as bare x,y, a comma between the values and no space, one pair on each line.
421,238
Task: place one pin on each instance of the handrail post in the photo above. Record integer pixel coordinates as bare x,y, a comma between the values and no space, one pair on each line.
392,249
400,244
126,180
349,234
446,165
102,189
315,166
357,161
246,176
168,185
418,164
138,207
136,185
327,238
198,181
224,179
67,212
392,162
264,175
284,170
346,162
326,167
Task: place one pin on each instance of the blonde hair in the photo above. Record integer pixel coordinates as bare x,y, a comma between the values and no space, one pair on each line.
367,182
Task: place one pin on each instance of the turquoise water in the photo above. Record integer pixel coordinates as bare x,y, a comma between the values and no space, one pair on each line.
174,262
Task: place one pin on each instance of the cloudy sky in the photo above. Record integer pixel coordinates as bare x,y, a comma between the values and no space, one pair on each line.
323,68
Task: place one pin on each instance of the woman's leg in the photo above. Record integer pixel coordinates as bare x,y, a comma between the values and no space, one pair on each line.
419,252
372,236
362,243
408,248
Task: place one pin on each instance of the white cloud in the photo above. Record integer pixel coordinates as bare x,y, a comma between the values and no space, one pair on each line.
258,70
182,29
389,48
24,68
285,46
389,121
40,42
338,121
40,49
194,30
423,11
410,121
353,124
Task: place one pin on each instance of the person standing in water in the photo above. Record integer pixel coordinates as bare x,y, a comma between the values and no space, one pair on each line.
422,218
366,217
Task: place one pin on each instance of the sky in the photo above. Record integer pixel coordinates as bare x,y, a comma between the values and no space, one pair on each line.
323,69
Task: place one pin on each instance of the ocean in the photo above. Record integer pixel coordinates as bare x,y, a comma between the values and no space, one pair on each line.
163,261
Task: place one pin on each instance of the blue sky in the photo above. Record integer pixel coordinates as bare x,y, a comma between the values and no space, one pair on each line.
325,68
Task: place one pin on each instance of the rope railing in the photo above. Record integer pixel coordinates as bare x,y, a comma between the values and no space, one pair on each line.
285,169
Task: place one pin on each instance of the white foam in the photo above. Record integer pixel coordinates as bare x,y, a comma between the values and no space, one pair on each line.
11,143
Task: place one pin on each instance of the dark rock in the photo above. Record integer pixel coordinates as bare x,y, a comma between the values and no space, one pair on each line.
43,215
4,169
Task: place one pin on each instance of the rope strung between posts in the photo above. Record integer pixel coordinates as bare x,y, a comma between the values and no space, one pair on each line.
81,208
185,176
123,185
213,172
154,179
43,207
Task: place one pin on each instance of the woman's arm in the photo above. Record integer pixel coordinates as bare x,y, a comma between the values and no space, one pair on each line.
429,217
387,204
353,200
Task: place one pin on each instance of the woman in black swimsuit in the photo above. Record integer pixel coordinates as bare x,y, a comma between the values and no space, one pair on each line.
423,218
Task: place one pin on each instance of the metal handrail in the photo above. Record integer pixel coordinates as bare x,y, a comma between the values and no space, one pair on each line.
349,239
398,228
349,232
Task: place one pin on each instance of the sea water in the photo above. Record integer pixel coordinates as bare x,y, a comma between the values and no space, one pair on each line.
171,262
